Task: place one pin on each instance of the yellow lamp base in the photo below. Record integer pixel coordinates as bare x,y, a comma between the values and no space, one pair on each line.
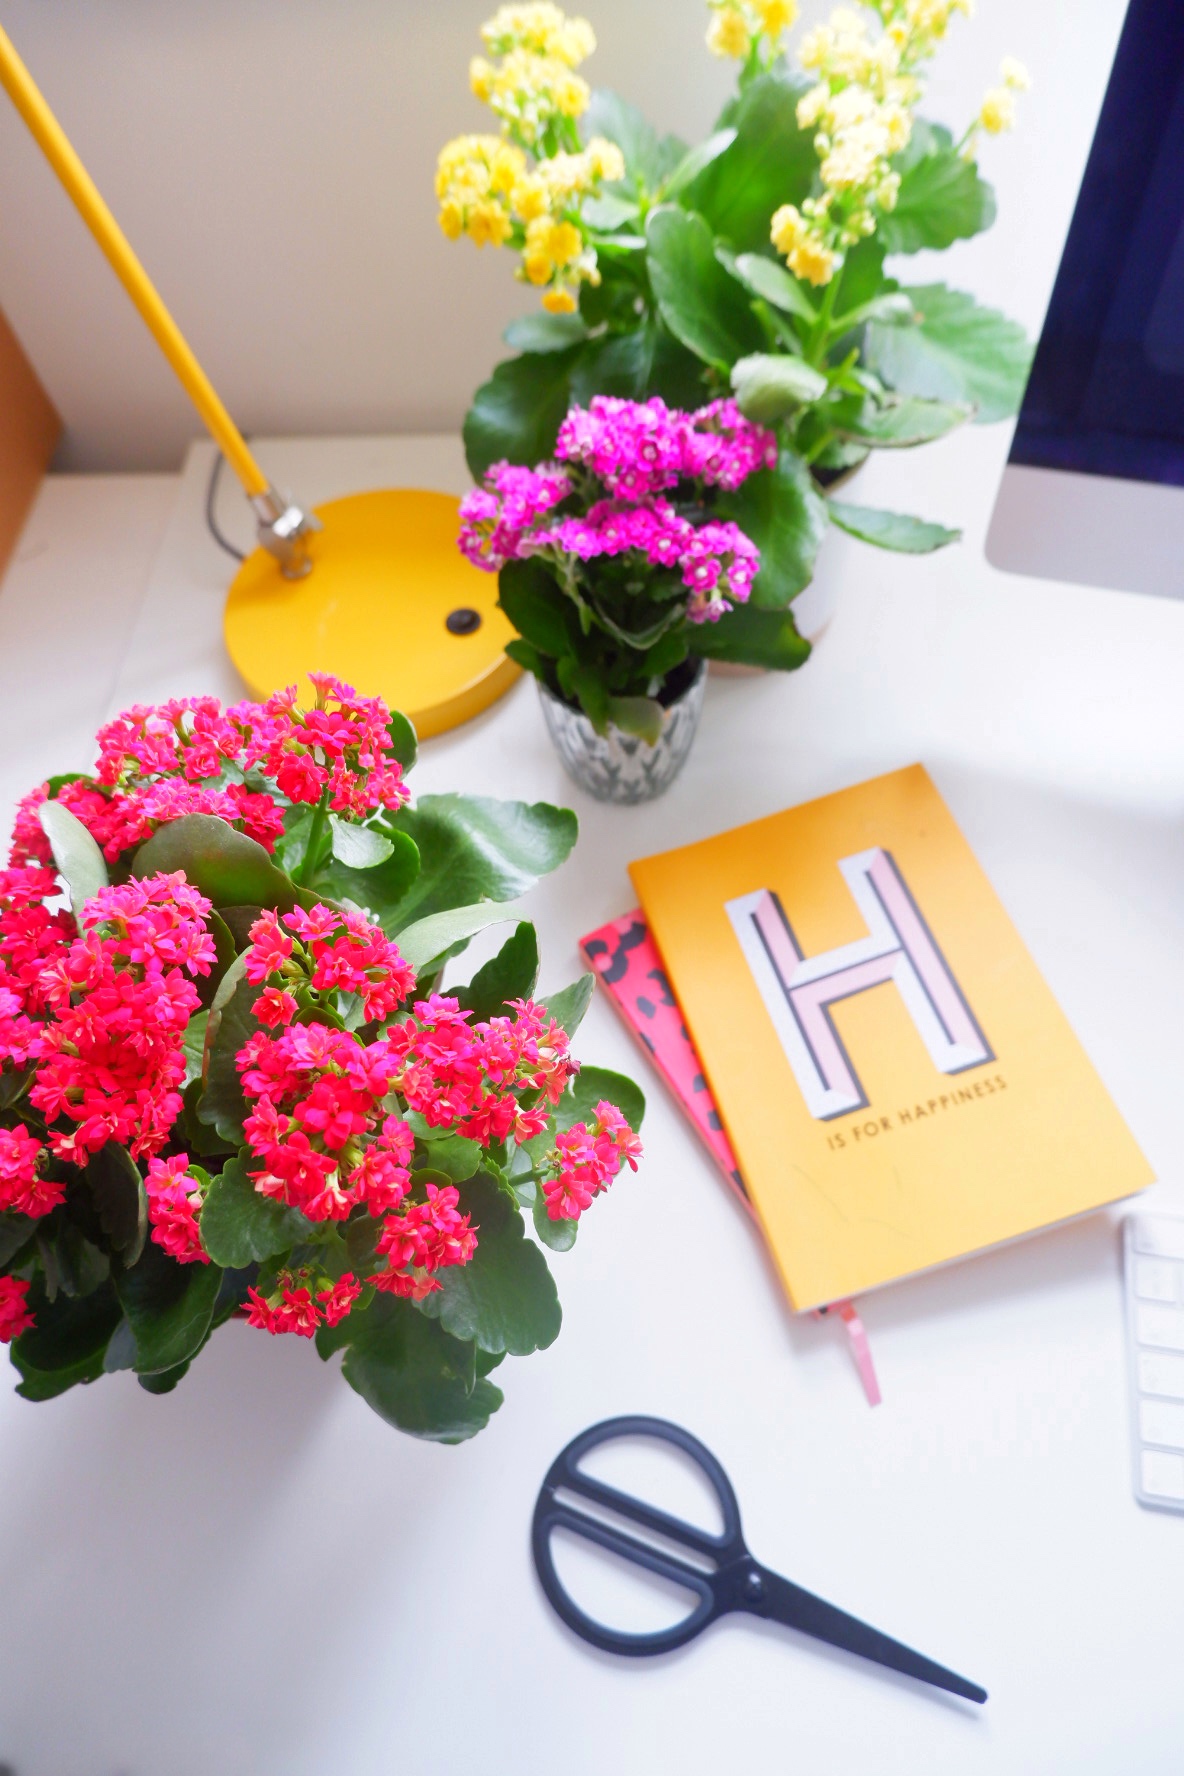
391,606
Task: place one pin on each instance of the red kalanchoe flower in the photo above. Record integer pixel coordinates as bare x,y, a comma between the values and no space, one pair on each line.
15,1317
336,1302
112,1055
175,1197
289,1307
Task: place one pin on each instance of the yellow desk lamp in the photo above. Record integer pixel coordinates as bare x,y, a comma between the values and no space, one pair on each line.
371,587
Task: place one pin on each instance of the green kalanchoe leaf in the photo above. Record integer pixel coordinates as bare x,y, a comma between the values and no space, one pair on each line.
568,1006
942,198
67,1343
702,306
433,939
751,637
504,1298
785,516
473,848
560,1234
403,739
589,1087
769,279
240,1227
15,1232
76,856
358,847
412,1372
120,1200
695,161
169,1307
516,415
380,888
955,351
223,864
904,422
232,1022
547,332
649,158
511,974
891,530
770,163
768,386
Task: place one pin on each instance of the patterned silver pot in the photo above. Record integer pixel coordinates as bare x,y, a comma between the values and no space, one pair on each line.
619,767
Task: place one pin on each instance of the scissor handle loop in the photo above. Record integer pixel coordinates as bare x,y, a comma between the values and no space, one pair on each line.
552,1514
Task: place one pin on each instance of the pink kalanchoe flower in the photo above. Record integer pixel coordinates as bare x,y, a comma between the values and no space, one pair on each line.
174,1207
271,948
275,1007
422,1239
587,1160
22,1190
15,1317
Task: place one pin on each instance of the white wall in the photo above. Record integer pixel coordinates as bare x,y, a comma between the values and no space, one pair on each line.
272,162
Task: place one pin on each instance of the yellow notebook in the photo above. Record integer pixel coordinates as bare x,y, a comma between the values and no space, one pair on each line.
898,1083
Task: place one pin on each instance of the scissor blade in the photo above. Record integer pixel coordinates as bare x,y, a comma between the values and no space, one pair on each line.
810,1615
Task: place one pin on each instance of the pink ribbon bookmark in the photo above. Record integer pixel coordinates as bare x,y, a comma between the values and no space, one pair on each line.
861,1350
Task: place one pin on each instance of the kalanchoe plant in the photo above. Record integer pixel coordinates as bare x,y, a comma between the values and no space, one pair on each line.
754,264
230,1082
619,568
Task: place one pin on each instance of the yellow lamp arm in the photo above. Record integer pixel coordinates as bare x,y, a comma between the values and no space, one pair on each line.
282,526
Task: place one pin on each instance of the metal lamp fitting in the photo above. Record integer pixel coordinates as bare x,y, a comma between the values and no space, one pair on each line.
282,529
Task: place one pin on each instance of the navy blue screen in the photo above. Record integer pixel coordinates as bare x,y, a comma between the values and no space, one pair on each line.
1106,393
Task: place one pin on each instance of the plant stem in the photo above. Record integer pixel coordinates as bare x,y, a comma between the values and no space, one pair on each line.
313,847
820,333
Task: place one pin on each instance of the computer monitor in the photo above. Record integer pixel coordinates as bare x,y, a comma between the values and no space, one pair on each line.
1094,486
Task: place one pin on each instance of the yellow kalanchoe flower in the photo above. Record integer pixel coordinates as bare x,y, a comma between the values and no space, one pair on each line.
541,29
996,114
861,111
526,187
737,25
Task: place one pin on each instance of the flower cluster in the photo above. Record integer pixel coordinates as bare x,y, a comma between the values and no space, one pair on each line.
175,1196
110,1057
741,28
299,1301
587,1160
245,764
997,112
477,1078
631,452
525,188
301,955
642,447
532,87
15,1317
861,110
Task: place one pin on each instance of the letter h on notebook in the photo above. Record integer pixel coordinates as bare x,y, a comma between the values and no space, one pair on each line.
799,990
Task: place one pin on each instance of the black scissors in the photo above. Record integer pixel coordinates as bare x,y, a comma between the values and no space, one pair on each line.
719,1570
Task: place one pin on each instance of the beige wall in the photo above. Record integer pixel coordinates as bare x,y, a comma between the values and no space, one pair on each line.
272,162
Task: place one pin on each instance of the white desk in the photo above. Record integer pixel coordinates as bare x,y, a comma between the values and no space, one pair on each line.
254,1574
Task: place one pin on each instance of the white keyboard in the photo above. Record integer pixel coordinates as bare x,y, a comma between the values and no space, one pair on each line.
1155,1341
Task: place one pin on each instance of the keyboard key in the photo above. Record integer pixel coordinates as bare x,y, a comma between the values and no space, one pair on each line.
1159,1236
1163,1326
1161,1375
1163,1475
1161,1422
1155,1279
